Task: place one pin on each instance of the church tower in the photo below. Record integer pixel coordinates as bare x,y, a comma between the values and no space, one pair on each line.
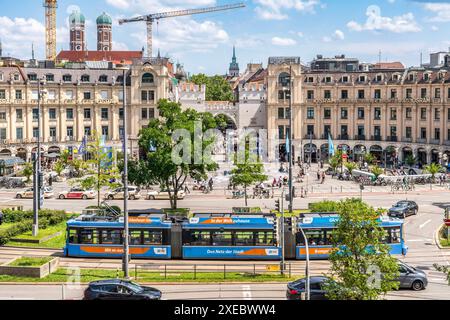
234,66
104,33
77,31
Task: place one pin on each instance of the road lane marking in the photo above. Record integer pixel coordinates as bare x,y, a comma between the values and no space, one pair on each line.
424,224
246,292
419,240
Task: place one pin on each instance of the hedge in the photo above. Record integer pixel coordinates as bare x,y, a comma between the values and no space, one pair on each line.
23,222
54,216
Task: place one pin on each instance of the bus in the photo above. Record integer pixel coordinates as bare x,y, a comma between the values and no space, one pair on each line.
230,236
319,229
99,236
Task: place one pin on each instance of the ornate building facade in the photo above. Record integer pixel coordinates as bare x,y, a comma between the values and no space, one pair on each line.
385,109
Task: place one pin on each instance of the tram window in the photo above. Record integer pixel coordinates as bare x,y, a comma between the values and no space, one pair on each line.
135,237
329,237
111,236
243,239
315,237
73,235
89,236
152,237
222,238
394,235
200,238
265,239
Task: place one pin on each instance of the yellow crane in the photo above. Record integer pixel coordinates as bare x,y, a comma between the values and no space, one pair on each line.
50,28
149,19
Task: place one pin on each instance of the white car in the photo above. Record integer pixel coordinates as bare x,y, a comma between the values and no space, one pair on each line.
77,193
164,195
116,194
28,193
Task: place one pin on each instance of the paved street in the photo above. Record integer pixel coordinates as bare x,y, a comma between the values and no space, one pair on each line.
419,234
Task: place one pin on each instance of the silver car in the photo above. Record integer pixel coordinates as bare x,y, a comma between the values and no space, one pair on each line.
411,278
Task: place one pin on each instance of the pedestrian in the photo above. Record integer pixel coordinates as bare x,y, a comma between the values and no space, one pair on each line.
318,175
50,180
186,189
274,182
1,218
210,184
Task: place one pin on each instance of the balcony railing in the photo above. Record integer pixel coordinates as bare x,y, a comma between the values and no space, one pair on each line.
343,137
421,140
360,137
435,141
312,136
377,138
52,139
70,138
404,139
392,138
447,142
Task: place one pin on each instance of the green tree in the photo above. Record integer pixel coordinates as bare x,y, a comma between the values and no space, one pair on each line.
410,160
249,170
101,172
59,167
217,88
369,158
433,169
335,161
161,146
27,171
443,269
323,206
361,266
351,166
65,157
377,171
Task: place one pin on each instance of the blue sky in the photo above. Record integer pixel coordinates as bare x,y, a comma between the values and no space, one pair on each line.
400,29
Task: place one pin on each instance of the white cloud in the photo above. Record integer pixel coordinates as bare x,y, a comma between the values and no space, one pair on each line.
326,39
338,34
441,11
300,34
276,9
153,6
119,46
434,28
185,35
376,22
18,34
277,41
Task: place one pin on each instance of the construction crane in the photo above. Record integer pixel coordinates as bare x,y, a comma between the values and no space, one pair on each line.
149,19
50,28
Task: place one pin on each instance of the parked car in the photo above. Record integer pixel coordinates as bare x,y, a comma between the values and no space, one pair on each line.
117,289
164,195
297,290
402,209
412,278
77,193
28,193
117,194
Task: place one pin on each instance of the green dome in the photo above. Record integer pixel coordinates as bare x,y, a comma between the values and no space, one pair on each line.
77,17
104,19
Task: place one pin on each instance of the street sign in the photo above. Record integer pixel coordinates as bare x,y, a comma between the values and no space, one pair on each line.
447,222
273,267
41,198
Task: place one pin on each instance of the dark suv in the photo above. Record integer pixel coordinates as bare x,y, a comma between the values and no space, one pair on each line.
402,209
120,290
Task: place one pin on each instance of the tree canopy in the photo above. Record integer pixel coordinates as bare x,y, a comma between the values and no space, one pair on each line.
217,88
361,266
177,145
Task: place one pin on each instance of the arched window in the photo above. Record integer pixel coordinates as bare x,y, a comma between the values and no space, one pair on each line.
148,78
283,79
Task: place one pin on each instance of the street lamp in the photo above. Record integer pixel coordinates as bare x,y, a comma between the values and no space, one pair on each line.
37,181
126,235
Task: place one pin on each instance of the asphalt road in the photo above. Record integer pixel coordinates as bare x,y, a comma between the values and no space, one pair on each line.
419,234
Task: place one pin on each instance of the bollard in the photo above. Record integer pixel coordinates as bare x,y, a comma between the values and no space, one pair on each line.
195,272
224,271
254,270
63,293
135,272
165,271
117,273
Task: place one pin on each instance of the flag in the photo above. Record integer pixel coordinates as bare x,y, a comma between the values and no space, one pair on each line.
102,141
288,145
82,148
330,145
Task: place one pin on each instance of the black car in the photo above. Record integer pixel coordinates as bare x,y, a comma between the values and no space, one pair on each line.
120,290
402,209
296,290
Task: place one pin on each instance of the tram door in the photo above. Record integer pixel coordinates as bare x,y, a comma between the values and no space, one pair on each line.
289,238
176,241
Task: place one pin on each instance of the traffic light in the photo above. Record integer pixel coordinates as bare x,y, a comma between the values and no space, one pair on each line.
277,206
